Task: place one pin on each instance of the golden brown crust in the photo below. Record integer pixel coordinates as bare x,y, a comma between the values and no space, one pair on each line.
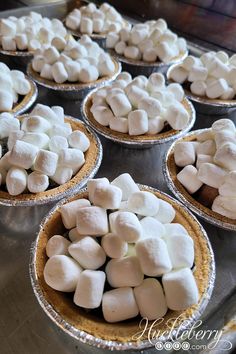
90,161
173,171
96,326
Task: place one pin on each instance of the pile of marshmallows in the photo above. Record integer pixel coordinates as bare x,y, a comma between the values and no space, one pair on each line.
43,144
212,75
92,19
150,41
129,232
211,160
30,32
140,106
12,84
74,61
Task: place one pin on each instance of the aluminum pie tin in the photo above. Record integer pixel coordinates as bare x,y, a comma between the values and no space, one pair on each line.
73,90
140,67
19,56
170,173
139,141
93,330
93,159
206,105
27,101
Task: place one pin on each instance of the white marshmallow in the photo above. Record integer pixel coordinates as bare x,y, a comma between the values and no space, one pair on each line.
135,94
60,129
69,212
79,140
62,175
35,124
114,246
126,183
188,177
149,55
57,143
88,74
92,221
174,229
205,135
89,289
177,116
198,88
6,100
226,156
8,43
120,47
112,217
37,182
177,91
228,187
23,154
107,197
138,35
150,299
13,136
46,72
219,204
184,154
151,227
222,124
217,88
132,52
202,158
7,27
224,136
219,69
211,174
153,256
72,158
61,273
38,139
124,76
119,124
98,25
59,43
88,253
16,180
124,272
143,203
86,25
119,305
48,113
156,81
92,184
74,235
127,226
106,67
197,73
178,74
164,52
57,245
21,41
59,72
137,122
111,40
151,106
8,124
59,112
228,94
120,105
155,125
73,21
180,289
46,162
180,250
190,61
166,213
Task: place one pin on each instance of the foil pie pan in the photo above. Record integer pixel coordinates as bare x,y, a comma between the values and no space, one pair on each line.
170,173
118,336
73,91
24,212
139,141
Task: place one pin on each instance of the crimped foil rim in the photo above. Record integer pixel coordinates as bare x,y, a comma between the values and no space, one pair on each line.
31,97
137,143
171,185
70,191
16,53
87,338
68,87
204,100
141,63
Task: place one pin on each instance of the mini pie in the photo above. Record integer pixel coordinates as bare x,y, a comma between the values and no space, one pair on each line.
92,322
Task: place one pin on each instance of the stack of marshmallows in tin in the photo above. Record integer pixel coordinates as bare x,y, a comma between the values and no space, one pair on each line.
122,238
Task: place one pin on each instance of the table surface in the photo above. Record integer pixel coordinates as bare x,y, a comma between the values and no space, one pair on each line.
24,328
